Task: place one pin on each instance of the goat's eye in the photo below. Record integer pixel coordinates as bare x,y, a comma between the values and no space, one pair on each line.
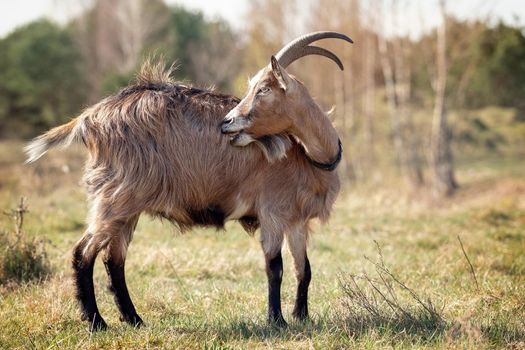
263,90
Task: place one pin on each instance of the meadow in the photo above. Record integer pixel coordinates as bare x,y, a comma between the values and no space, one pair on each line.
206,289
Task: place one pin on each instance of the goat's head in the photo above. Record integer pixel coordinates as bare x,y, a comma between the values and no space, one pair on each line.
275,99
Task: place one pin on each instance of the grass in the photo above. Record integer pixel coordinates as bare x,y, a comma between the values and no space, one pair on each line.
207,289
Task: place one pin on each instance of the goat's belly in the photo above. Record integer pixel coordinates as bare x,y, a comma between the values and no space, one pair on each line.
212,216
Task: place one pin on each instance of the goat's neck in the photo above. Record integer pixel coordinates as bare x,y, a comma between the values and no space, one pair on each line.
315,132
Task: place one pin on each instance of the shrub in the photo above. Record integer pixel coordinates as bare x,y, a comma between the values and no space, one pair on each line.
22,259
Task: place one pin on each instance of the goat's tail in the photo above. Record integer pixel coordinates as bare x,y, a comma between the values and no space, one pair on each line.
62,135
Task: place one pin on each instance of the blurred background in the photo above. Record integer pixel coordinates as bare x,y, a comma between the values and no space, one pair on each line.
428,86
430,109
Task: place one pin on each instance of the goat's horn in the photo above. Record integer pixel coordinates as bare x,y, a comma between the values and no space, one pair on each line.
314,50
299,48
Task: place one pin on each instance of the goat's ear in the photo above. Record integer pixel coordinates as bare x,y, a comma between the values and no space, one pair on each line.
277,71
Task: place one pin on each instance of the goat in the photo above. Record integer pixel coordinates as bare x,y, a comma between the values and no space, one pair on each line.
196,157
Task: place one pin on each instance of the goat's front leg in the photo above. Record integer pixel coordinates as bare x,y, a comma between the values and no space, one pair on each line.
297,242
274,272
271,244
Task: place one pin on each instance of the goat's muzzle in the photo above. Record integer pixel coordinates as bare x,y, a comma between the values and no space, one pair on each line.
234,125
226,126
234,122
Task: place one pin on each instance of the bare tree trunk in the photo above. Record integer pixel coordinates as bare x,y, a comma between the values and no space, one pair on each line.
441,154
388,74
369,103
403,87
398,83
346,114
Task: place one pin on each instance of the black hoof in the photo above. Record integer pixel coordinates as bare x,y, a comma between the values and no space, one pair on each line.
278,322
134,320
98,324
300,315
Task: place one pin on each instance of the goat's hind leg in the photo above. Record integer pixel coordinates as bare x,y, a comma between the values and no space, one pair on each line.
114,260
84,256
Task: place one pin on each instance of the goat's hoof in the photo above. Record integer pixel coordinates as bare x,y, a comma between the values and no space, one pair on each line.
137,322
301,316
97,325
277,322
133,320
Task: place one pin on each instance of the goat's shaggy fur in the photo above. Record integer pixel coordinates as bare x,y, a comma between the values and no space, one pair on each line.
156,147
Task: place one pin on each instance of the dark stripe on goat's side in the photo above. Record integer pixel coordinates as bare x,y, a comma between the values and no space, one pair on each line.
300,310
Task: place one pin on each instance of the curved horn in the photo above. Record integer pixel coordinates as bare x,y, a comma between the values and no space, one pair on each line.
299,48
313,50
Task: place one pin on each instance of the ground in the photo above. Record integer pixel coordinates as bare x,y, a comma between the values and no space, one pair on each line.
207,289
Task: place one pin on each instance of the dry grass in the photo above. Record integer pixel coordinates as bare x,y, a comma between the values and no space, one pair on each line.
383,302
207,289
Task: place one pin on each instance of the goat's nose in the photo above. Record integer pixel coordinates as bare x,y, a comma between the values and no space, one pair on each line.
224,125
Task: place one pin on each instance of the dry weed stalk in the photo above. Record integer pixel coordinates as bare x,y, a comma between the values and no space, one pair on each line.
472,272
386,302
17,215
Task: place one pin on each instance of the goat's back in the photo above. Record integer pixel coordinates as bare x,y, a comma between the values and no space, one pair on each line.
158,147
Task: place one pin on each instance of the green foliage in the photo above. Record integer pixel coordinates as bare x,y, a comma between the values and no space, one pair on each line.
486,64
186,28
40,80
500,77
205,52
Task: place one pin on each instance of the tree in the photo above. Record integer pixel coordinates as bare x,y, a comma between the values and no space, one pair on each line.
215,59
206,53
343,89
183,29
267,29
41,81
499,78
444,182
396,66
112,34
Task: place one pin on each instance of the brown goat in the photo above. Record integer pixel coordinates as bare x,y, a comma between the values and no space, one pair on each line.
157,147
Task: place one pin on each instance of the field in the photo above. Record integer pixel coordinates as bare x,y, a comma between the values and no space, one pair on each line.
207,289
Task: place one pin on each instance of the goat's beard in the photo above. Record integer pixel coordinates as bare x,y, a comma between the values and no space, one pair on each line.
241,139
274,147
